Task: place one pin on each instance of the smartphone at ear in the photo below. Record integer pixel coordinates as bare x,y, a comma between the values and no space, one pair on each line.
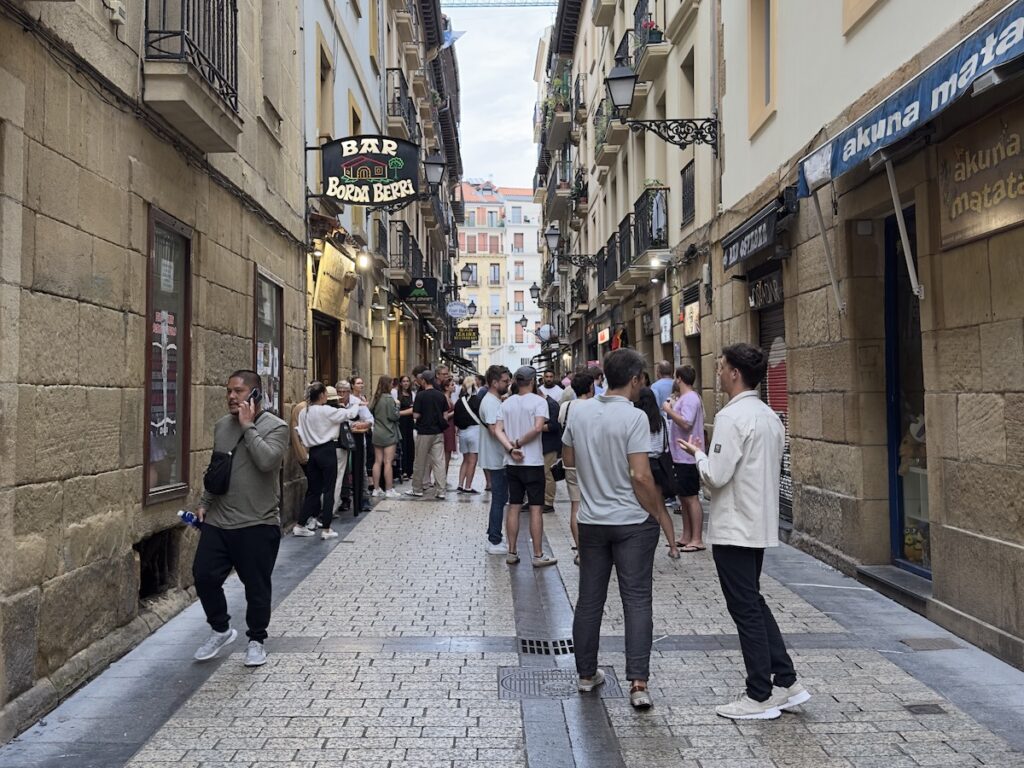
255,397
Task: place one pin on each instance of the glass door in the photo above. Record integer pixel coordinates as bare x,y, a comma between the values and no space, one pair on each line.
908,454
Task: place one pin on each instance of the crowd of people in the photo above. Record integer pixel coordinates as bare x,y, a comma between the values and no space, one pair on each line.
627,449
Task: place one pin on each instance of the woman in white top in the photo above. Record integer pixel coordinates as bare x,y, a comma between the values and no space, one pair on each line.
318,427
469,436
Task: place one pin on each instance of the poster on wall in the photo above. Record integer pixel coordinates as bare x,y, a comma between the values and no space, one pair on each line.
666,328
981,186
691,319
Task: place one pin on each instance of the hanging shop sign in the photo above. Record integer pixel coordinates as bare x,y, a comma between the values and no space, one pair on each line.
603,335
457,310
756,234
421,293
466,337
981,185
374,171
691,319
647,323
766,291
666,328
996,42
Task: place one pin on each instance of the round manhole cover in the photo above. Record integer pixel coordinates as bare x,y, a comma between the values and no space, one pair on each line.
518,683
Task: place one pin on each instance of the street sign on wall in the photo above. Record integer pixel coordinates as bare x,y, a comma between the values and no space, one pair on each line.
374,171
466,337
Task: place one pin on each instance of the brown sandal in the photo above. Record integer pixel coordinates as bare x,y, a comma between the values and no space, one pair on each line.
639,697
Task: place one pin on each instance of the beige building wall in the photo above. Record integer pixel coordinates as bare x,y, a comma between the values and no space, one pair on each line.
83,166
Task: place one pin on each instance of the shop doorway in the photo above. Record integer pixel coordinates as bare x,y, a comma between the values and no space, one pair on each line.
910,530
325,349
775,391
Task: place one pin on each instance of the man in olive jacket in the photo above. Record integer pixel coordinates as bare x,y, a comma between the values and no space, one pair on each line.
242,528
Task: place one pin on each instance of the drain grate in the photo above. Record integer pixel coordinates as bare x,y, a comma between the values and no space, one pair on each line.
925,709
518,683
931,643
545,647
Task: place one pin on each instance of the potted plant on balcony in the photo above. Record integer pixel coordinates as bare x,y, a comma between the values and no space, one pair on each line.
651,31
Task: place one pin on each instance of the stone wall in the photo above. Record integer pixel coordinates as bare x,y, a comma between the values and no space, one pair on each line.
79,172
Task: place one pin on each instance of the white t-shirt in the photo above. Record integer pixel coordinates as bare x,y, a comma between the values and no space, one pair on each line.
517,417
555,392
603,431
492,455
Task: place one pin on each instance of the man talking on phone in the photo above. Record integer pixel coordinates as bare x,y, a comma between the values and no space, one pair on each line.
242,527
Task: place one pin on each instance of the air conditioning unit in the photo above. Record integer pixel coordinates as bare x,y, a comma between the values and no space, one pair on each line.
511,347
496,311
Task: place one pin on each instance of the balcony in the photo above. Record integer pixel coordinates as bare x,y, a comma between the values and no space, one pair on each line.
616,288
191,69
579,99
401,108
650,231
407,22
556,107
605,272
609,135
603,13
411,56
652,49
580,201
380,244
579,296
683,14
420,85
406,259
559,187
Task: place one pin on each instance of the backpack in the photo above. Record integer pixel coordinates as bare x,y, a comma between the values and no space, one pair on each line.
465,415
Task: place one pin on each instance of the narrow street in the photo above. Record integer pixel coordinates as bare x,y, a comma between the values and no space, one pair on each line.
402,643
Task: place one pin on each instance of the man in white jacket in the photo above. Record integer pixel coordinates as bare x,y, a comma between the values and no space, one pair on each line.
743,466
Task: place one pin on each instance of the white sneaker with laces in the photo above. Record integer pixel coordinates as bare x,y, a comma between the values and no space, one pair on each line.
255,655
586,686
312,523
301,530
212,646
414,494
745,708
788,698
542,560
501,548
327,533
440,497
391,493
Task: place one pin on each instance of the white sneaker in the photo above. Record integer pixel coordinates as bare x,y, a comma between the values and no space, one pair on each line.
212,646
745,708
313,524
586,686
327,533
392,494
255,656
788,698
441,497
301,530
414,494
501,548
542,560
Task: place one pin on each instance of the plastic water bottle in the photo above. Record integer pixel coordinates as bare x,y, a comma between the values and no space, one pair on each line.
189,518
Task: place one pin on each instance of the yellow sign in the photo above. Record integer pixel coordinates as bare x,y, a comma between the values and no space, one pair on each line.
981,177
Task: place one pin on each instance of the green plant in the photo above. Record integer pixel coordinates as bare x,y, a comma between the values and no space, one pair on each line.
653,183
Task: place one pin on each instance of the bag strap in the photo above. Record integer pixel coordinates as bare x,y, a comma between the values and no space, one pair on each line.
242,437
664,439
465,403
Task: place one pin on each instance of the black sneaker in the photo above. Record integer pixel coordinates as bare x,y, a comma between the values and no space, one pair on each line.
548,509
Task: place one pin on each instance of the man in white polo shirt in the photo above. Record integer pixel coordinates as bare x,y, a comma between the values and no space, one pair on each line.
621,513
743,466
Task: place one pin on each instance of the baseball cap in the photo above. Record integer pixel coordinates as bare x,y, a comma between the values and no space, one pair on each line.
332,394
526,373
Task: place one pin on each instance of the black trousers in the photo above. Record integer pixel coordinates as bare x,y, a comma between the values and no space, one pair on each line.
252,552
405,426
764,651
321,474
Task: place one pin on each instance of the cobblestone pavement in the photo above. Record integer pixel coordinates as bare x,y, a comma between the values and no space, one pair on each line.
388,653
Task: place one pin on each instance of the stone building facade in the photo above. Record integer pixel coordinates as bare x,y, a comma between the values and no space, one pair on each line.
152,226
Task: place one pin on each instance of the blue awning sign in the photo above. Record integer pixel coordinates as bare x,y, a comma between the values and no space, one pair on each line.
994,43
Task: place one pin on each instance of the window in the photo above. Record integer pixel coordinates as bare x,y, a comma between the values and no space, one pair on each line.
166,441
495,247
495,275
854,11
462,241
517,214
519,268
268,343
518,304
481,215
689,194
517,246
374,37
471,244
492,218
495,304
495,335
519,333
473,278
471,219
761,62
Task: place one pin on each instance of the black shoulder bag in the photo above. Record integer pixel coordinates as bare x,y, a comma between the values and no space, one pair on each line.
662,467
217,478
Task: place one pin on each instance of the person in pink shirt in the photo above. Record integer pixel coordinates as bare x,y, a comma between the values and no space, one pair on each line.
686,415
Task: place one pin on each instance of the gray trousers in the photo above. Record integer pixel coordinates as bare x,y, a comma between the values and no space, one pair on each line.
630,548
429,457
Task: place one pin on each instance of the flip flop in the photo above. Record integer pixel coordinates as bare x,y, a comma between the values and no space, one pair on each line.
691,548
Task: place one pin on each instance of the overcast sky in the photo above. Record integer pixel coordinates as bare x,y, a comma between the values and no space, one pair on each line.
496,58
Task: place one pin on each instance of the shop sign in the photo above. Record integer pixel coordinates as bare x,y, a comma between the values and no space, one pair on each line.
756,234
981,183
691,319
666,328
766,291
996,42
374,171
457,310
466,337
335,280
420,294
603,335
647,323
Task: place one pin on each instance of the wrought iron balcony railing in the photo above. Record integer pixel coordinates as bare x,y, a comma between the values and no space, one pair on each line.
400,103
625,242
580,293
202,33
601,258
645,26
611,254
651,225
405,251
689,194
